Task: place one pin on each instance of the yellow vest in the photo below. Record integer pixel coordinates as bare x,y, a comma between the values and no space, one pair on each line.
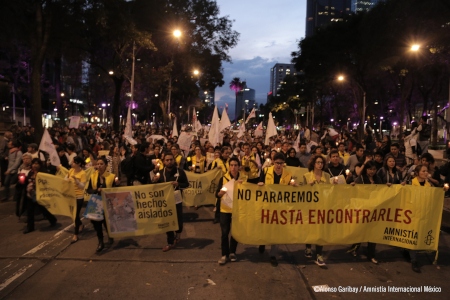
109,179
415,182
310,177
226,178
201,163
178,160
254,170
284,180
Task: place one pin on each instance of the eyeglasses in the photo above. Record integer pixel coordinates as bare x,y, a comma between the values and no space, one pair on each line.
279,162
319,162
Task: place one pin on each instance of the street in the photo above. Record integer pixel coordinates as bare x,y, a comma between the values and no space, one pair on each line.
44,265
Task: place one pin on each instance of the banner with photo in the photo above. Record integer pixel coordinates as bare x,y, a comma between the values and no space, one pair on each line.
325,214
140,210
56,194
202,188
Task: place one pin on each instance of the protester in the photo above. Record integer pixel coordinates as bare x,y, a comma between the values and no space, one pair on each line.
14,161
101,179
78,177
275,175
36,167
228,243
21,185
177,177
316,175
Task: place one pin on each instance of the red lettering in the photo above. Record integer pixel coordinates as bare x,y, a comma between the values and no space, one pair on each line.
348,216
357,215
366,214
321,216
274,217
374,216
408,218
265,216
388,217
339,215
311,216
292,215
283,217
330,216
299,217
381,215
397,215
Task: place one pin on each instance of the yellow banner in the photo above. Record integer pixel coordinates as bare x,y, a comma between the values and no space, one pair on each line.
62,173
56,194
297,173
402,216
140,210
202,188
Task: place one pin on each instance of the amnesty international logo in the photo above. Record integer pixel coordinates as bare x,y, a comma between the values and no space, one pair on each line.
429,238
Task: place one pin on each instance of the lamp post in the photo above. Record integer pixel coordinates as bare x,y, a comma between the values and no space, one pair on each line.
177,35
381,121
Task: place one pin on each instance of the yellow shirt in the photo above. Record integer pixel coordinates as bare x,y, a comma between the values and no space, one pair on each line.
310,177
415,182
284,180
81,176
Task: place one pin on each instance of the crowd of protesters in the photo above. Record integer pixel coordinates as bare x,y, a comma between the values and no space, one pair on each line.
331,156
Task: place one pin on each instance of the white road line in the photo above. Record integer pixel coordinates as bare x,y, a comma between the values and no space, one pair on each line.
43,244
14,277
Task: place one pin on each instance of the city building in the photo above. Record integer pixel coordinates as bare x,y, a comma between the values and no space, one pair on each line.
245,100
323,12
363,5
207,97
277,74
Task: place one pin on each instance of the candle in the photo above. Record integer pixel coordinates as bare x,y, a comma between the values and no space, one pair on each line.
224,189
446,185
157,174
117,178
336,178
22,179
347,172
292,180
268,160
157,165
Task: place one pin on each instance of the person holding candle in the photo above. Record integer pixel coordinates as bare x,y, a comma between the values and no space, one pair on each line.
228,243
197,162
177,177
316,175
335,168
20,191
101,179
275,175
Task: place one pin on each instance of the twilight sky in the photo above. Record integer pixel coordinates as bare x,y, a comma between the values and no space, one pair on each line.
270,31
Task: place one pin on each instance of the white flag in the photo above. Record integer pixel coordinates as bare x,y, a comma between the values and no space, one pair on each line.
259,130
128,133
175,129
251,115
241,130
74,122
297,142
214,136
225,121
47,146
271,129
194,120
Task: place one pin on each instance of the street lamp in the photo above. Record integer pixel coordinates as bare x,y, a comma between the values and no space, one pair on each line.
177,35
381,121
245,106
415,47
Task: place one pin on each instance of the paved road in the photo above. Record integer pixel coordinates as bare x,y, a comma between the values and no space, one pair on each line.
44,265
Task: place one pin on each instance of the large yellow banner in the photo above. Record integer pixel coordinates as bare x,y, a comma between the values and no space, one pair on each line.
297,173
202,188
140,210
56,194
403,216
62,173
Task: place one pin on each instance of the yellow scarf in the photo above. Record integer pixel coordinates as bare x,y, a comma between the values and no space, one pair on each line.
109,179
284,180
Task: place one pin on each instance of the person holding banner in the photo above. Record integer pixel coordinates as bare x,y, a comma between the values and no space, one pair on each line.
422,179
223,162
228,243
171,173
20,192
367,176
275,175
316,175
101,179
78,177
36,166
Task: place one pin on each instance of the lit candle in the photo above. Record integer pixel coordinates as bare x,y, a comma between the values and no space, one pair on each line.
22,179
157,174
157,165
268,160
117,178
292,180
224,189
446,185
347,172
336,178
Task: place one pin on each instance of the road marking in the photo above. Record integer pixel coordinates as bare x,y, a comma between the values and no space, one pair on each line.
43,244
14,277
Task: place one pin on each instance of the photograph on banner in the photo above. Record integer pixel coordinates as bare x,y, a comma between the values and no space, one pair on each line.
202,188
140,210
401,216
56,195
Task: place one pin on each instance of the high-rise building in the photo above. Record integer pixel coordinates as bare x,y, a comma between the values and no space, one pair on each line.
323,12
363,5
277,74
245,100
